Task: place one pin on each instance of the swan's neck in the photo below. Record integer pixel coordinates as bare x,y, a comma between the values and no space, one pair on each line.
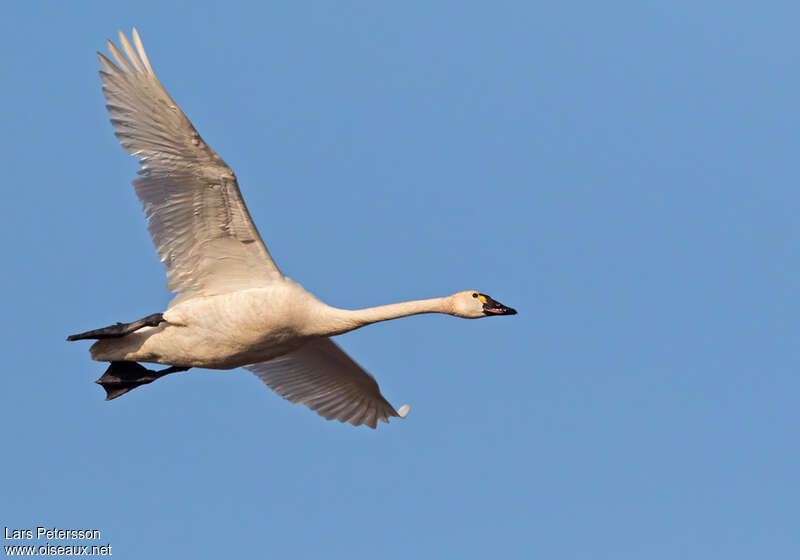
338,321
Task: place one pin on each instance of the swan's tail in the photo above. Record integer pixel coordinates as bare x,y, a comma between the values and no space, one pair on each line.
121,377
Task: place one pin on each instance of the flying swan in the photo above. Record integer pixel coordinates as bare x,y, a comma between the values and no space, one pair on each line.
233,306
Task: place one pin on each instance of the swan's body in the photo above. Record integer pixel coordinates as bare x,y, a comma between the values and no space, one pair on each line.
234,308
231,330
222,331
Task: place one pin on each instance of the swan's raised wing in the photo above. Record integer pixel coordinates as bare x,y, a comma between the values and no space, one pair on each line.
325,379
196,216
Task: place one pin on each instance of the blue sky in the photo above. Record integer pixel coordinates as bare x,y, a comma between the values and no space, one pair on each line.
624,174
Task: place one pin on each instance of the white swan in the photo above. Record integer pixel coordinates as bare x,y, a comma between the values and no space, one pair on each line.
233,307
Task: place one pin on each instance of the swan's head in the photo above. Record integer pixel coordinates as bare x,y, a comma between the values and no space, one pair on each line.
472,305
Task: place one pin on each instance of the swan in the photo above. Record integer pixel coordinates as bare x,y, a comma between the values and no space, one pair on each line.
233,307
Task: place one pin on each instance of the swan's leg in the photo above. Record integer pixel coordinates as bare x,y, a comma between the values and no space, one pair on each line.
121,377
120,329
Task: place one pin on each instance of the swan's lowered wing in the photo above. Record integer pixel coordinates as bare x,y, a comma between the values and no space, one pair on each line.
325,379
196,216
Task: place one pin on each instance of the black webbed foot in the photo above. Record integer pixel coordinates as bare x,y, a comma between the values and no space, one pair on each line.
121,377
119,329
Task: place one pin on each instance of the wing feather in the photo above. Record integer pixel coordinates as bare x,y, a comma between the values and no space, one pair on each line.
196,216
321,376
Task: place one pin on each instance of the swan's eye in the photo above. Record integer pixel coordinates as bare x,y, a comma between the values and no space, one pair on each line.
475,294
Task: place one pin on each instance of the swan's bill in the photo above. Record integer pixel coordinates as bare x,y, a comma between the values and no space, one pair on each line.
493,307
403,411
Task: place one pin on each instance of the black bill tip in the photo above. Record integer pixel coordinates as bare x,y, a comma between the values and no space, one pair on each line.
492,307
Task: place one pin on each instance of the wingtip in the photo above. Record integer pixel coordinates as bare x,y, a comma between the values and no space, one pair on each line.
403,411
140,49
